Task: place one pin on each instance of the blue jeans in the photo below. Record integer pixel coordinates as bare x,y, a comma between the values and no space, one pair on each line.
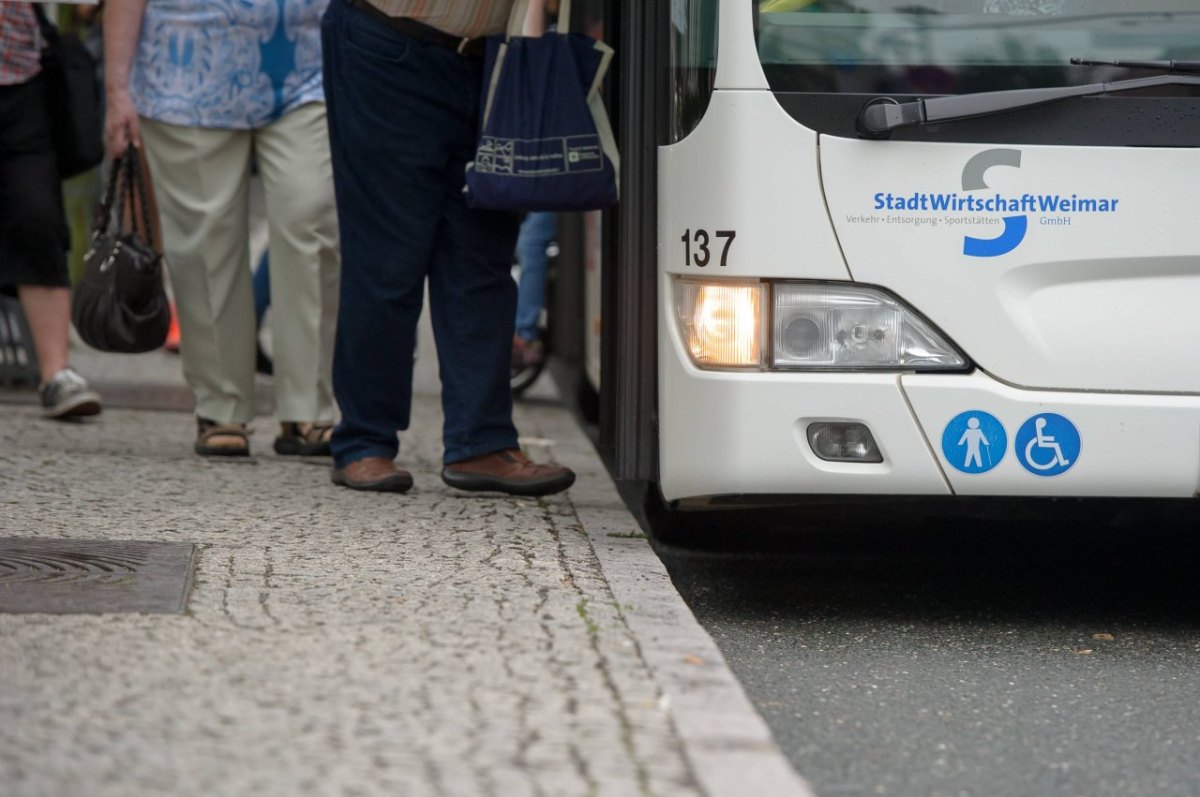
537,231
402,124
262,287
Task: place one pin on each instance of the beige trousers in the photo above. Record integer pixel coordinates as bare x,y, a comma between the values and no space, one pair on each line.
202,178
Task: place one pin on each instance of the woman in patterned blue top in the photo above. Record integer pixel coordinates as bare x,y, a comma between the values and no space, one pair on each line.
207,86
227,64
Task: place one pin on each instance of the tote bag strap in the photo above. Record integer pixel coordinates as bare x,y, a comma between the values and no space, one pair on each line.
608,141
516,19
563,23
528,18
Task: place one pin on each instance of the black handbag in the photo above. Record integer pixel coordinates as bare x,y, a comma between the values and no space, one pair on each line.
77,128
120,304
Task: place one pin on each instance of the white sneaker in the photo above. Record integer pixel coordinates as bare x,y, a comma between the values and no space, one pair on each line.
67,395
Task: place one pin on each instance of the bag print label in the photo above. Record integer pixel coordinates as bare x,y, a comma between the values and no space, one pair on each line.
539,157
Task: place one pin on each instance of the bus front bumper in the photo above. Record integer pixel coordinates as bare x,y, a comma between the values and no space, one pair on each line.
745,433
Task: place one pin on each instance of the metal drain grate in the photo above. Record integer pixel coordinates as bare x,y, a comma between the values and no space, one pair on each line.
94,576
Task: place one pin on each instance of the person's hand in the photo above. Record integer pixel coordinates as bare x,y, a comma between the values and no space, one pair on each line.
120,123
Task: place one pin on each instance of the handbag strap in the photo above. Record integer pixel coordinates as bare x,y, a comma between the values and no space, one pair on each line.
139,189
103,219
47,29
127,181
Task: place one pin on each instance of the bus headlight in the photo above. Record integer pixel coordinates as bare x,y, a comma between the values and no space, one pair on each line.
721,322
822,325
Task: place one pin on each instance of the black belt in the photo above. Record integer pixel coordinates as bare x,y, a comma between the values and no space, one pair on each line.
426,34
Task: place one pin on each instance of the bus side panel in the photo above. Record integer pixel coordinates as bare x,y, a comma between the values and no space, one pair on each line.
751,170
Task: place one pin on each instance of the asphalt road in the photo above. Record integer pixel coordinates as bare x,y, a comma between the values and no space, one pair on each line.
1047,650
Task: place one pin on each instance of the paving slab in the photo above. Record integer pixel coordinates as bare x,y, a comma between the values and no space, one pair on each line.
337,642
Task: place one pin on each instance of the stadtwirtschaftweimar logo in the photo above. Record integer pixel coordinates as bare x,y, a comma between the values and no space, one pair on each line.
988,206
1015,227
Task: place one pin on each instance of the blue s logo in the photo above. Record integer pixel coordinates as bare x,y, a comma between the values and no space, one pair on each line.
1015,227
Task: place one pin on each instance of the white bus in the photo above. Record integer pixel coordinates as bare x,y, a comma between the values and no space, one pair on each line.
916,247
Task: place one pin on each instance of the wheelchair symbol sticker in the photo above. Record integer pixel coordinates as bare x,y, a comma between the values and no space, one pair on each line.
974,442
1047,445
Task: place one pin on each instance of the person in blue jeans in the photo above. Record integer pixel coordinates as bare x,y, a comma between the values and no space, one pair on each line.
403,94
262,301
537,231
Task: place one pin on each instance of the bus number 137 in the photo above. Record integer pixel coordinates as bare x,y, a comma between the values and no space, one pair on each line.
702,254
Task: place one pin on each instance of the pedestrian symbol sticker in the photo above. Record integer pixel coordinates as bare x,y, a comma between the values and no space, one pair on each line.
974,442
1047,444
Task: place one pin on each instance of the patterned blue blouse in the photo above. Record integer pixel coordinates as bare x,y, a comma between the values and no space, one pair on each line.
232,64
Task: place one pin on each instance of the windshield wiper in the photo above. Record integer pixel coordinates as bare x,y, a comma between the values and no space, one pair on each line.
1161,66
882,115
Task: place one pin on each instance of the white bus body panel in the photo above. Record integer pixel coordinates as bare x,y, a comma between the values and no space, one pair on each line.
726,433
730,432
738,67
770,193
1088,299
1106,302
1130,445
744,433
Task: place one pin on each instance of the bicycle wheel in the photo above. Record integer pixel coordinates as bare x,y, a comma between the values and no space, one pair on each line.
523,373
523,378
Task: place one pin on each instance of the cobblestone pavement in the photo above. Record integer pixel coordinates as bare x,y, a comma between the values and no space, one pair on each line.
336,642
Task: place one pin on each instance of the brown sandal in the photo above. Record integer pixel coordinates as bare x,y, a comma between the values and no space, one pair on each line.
304,439
222,439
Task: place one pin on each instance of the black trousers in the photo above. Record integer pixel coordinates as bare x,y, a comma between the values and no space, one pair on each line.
34,237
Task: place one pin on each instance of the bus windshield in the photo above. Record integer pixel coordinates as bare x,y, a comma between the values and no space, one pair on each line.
960,46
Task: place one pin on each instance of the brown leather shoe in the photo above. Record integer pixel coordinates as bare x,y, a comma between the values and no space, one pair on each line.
376,474
507,472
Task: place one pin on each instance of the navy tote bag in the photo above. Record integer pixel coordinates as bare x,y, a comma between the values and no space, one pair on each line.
545,142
